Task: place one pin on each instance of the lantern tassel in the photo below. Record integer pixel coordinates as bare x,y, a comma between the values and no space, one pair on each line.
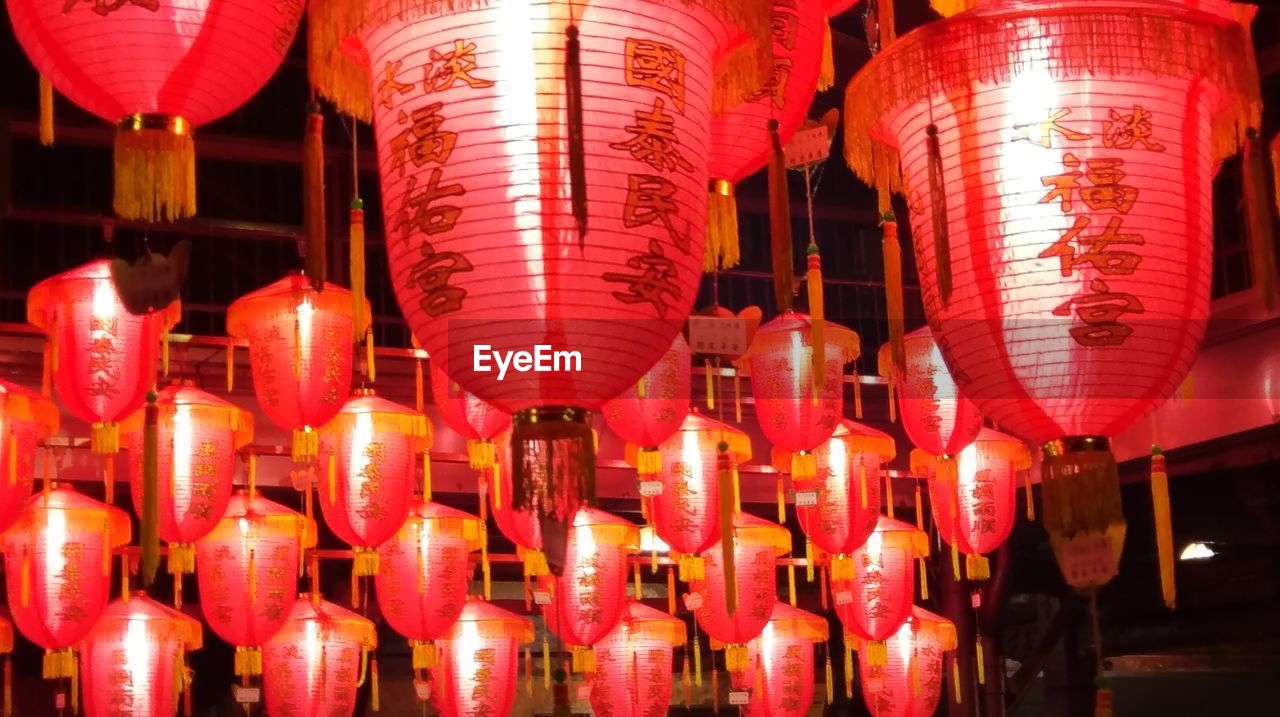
231,364
827,68
1262,233
75,682
791,584
924,579
546,663
109,479
848,670
375,698
724,480
829,676
1031,502
155,168
888,494
722,250
46,120
371,368
780,222
782,502
941,229
817,341
150,525
577,145
710,375
315,264
697,659
977,567
892,251
1080,499
857,397
981,661
1164,527
955,679
359,321
671,590
560,478
686,682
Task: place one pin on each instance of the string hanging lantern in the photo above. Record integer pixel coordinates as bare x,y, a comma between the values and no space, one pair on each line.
314,665
909,683
874,587
479,658
780,676
26,418
469,417
652,410
134,660
633,663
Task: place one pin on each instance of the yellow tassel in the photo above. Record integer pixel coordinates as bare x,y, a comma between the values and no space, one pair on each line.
584,660
648,461
360,323
375,698
862,484
248,661
155,169
426,475
782,502
977,567
75,682
671,591
1262,233
315,264
737,396
495,494
876,652
803,465
355,588
848,670
780,222
253,477
486,570
736,658
109,479
231,364
894,307
1164,527
46,115
829,678
164,353
637,586
955,562
711,385
857,398
697,661
546,663
642,387
336,76
724,479
687,683
808,560
827,69
919,509
981,661
791,584
955,679
924,579
124,577
888,494
333,479
817,340
371,369
893,405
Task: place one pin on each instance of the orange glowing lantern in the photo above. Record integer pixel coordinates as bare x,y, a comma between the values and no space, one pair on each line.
937,419
874,587
134,660
479,656
311,666
909,682
633,664
780,678
651,411
469,417
26,418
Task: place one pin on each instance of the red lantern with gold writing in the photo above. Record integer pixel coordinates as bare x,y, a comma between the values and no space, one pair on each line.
633,664
909,682
423,574
311,666
780,676
57,568
26,418
469,417
247,570
479,657
937,419
652,410
873,588
134,660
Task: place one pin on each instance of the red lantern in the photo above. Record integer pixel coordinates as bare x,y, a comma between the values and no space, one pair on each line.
478,662
797,408
937,419
247,570
422,580
311,666
909,683
371,448
101,357
874,587
1067,302
781,675
134,660
188,64
300,353
633,664
197,438
26,418
974,507
737,598
651,411
57,568
469,417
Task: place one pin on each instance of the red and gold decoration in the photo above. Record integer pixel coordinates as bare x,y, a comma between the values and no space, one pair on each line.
26,420
873,588
476,421
479,659
520,526
780,677
652,410
909,682
133,662
633,675
937,419
317,661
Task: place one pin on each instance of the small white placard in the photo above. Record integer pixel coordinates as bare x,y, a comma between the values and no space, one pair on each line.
726,336
844,597
422,689
693,601
60,701
247,695
650,488
584,693
807,146
1088,561
806,498
739,697
975,599
541,597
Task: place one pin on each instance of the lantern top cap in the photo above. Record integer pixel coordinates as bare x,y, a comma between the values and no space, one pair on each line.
284,297
940,628
70,286
799,623
608,528
468,526
206,409
865,439
18,403
140,607
891,528
386,416
332,616
78,507
780,333
751,530
653,623
711,432
919,340
489,620
260,510
993,444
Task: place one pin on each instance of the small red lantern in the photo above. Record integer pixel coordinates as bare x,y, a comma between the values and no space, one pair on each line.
479,657
371,449
874,587
197,437
101,357
134,660
781,675
633,664
469,417
797,407
974,508
311,666
26,418
422,580
300,353
937,419
57,567
909,682
247,568
652,410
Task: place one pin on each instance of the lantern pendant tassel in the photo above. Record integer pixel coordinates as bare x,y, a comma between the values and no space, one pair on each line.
567,462
306,445
780,222
876,652
892,252
977,567
315,264
375,697
155,168
1080,498
722,250
1164,527
829,676
360,322
46,118
938,210
724,481
248,661
59,664
150,519
827,68
1262,233
981,662
804,466
577,147
817,341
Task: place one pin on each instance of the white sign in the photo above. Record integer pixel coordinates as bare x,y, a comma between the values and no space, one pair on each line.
844,597
1088,561
807,146
541,597
693,601
247,695
806,498
739,697
650,488
726,336
422,689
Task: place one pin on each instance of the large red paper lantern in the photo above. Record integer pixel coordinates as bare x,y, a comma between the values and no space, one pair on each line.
909,682
479,657
633,664
197,437
797,408
652,410
300,353
780,677
247,570
873,588
1067,301
469,417
26,418
423,574
371,449
974,507
57,568
937,419
134,660
187,64
311,666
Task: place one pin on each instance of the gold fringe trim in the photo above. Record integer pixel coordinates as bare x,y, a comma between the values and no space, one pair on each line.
59,664
104,438
648,461
365,562
182,559
804,465
155,169
977,567
480,453
248,661
306,445
334,74
424,655
736,658
827,68
584,660
692,568
722,251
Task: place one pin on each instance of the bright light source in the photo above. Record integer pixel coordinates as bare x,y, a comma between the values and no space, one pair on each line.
650,542
1196,551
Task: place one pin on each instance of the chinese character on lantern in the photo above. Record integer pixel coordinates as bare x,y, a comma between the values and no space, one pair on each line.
780,671
633,663
311,667
134,660
478,660
873,588
909,682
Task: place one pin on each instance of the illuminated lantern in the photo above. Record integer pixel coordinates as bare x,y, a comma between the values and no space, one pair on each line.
974,507
197,438
188,64
686,513
372,449
798,410
937,419
57,568
651,411
909,683
423,574
311,666
134,660
469,417
874,587
1068,303
247,570
519,526
633,664
479,657
300,353
738,599
588,597
102,358
781,675
26,418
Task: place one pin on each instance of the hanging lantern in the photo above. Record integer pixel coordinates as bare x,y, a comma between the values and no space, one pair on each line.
311,666
974,507
737,598
937,419
134,660
57,568
874,587
780,676
197,438
247,568
909,682
371,448
479,657
102,359
424,569
633,664
188,64
1067,303
519,526
469,417
652,410
26,418
300,353
798,407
